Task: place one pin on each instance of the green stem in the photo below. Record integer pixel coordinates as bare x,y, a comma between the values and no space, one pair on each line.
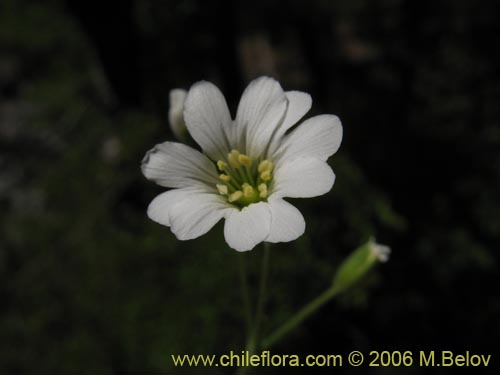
245,293
264,272
253,337
300,316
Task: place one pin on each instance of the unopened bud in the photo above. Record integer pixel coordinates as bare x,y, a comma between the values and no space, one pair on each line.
359,263
176,113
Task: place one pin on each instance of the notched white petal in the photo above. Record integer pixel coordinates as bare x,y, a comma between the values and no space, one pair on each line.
303,178
261,110
176,165
318,137
195,216
159,209
189,213
287,223
208,120
299,103
245,229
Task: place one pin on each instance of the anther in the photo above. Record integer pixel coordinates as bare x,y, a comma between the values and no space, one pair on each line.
233,157
222,165
235,196
225,177
248,191
244,160
262,191
240,183
266,175
265,165
222,189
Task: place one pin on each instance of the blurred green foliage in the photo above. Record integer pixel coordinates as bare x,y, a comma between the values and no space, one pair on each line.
90,285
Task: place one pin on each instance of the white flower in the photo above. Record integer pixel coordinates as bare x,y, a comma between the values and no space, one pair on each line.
247,166
176,113
380,252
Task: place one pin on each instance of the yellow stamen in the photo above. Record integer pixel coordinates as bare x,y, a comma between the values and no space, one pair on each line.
248,191
240,182
233,157
265,165
244,160
222,189
235,196
225,177
222,165
262,191
266,175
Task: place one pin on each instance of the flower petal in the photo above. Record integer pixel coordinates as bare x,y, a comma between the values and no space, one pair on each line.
287,223
318,137
189,212
244,229
176,112
176,165
160,207
303,178
260,112
208,119
299,103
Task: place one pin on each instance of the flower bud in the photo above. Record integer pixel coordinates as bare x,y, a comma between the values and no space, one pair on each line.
176,113
359,263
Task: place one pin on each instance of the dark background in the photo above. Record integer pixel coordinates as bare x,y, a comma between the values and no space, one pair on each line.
89,285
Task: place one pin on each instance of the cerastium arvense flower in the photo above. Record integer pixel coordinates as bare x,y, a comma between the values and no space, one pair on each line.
246,167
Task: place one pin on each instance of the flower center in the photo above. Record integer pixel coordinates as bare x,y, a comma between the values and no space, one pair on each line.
244,181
